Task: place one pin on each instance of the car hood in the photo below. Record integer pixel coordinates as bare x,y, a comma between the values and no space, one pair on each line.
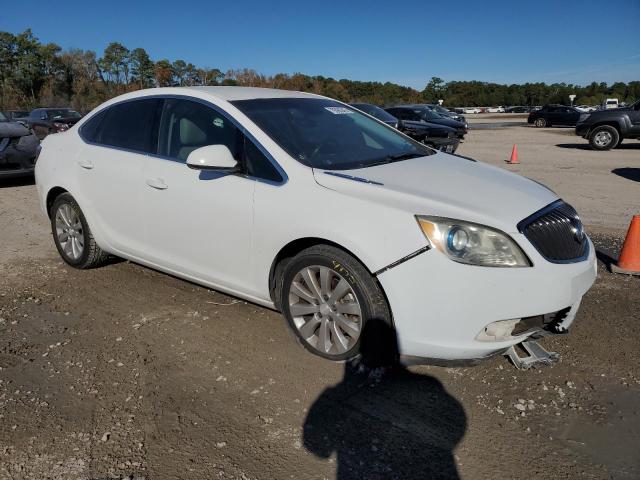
449,122
67,120
447,186
427,125
13,129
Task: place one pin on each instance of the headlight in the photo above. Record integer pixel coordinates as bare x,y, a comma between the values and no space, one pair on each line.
60,127
471,243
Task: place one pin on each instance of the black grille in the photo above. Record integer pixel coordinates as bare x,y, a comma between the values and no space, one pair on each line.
557,233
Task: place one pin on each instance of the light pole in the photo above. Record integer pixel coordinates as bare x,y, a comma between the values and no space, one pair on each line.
572,98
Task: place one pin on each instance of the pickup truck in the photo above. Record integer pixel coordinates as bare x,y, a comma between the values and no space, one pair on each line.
605,129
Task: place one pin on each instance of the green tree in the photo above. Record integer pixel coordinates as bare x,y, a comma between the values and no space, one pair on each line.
142,68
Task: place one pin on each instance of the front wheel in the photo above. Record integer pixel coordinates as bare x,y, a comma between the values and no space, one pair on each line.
72,235
327,296
604,137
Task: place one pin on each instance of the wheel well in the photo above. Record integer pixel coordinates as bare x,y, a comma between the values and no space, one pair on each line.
52,195
608,123
290,250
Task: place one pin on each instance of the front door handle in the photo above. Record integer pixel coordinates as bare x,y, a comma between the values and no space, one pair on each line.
86,164
157,183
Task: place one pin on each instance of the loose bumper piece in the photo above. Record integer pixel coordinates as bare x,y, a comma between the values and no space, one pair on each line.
538,356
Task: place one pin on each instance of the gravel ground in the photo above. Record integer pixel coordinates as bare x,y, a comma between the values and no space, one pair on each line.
123,372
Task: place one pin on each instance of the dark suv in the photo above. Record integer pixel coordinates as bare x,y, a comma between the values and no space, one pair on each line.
605,129
44,121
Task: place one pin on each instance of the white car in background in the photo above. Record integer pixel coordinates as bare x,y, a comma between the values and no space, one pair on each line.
471,110
495,109
301,203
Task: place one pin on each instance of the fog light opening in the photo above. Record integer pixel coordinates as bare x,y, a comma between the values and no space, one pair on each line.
498,331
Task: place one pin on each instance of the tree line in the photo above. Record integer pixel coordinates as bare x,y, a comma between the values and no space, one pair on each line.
35,74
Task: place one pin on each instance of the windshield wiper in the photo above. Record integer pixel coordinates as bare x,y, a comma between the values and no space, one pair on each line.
404,156
395,158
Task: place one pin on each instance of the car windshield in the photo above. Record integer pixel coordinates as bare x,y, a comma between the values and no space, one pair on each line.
427,114
440,109
323,133
375,111
3,118
62,113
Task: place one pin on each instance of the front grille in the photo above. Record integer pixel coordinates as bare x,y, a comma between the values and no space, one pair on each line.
557,233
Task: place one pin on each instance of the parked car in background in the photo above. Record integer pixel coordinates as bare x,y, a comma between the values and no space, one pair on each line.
610,103
15,115
555,115
420,113
44,121
517,109
321,212
18,148
471,110
378,113
445,112
495,109
587,108
605,129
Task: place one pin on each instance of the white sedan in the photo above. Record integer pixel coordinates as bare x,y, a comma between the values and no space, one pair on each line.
471,110
301,203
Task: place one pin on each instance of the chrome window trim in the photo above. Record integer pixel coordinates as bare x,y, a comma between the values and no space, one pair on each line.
217,109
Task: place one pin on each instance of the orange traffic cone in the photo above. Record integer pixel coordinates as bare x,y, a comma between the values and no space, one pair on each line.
629,261
514,156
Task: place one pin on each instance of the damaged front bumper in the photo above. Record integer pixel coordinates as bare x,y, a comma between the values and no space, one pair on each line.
444,310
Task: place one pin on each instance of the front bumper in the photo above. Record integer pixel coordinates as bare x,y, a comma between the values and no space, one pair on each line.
448,144
582,129
18,157
440,306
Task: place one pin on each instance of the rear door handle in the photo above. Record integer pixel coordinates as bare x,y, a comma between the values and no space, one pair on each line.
85,164
157,183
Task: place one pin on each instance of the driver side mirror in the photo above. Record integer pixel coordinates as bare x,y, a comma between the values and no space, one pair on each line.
212,157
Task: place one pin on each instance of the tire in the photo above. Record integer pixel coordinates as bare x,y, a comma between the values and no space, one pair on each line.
318,321
604,137
80,250
541,123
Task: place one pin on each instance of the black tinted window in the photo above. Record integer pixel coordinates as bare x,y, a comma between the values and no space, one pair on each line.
127,125
187,125
257,164
91,127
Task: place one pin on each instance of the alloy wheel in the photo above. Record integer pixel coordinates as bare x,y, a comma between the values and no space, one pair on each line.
325,310
69,231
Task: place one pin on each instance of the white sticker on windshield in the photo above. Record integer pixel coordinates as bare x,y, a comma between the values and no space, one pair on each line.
339,110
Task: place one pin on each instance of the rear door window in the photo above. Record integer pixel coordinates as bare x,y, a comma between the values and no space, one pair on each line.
129,125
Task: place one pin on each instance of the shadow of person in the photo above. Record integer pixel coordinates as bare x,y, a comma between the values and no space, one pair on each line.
383,421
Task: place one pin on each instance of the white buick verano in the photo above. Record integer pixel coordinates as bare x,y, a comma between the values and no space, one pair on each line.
303,204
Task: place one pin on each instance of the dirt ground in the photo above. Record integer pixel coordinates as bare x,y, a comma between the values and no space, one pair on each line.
123,372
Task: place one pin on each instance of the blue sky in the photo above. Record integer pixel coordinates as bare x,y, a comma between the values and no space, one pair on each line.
404,42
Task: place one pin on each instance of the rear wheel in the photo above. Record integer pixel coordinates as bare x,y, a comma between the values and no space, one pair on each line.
72,235
604,137
328,297
540,122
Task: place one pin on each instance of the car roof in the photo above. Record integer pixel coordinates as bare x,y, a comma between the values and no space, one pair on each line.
229,93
